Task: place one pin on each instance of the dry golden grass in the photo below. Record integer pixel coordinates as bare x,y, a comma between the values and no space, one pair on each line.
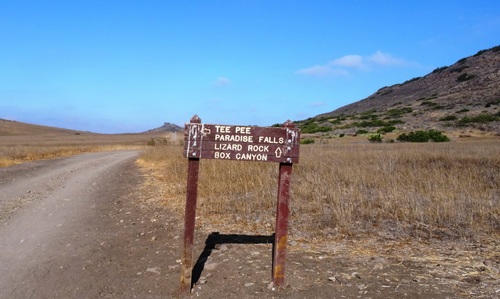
23,148
347,187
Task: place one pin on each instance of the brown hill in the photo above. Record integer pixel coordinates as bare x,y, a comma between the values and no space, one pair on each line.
462,97
15,128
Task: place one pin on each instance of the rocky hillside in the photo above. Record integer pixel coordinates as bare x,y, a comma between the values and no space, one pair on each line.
462,97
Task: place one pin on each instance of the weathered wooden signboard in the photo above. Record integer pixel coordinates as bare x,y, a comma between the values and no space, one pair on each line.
240,143
244,143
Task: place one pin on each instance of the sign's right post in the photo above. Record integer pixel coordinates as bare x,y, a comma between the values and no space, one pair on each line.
281,230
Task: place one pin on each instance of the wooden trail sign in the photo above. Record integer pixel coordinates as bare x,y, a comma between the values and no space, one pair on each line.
241,143
244,143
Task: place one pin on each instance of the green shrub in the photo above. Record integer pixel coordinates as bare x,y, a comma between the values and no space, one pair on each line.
307,141
368,116
370,123
438,107
462,110
386,129
427,103
361,131
375,138
448,117
312,127
336,121
464,77
399,111
481,118
423,136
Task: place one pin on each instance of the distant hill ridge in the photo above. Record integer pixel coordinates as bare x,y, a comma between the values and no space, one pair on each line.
167,127
15,128
463,95
12,128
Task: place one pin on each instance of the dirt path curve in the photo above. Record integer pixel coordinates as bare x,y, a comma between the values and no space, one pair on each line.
73,228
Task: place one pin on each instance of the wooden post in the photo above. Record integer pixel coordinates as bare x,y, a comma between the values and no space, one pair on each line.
281,233
189,222
282,212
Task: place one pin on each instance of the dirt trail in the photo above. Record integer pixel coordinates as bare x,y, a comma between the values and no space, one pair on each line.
91,226
73,228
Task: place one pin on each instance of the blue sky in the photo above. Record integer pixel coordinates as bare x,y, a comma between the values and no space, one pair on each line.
128,66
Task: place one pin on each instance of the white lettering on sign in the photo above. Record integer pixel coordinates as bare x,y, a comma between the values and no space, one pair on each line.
222,155
228,147
275,140
251,157
234,138
258,148
243,130
223,129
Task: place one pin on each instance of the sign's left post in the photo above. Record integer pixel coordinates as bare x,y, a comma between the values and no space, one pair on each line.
190,212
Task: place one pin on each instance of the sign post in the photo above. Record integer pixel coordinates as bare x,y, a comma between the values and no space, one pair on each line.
189,220
240,143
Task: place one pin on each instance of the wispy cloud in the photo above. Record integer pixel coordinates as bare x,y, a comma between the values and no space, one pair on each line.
354,61
321,71
385,59
344,65
222,81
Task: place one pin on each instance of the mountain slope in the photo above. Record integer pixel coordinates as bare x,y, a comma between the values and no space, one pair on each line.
463,96
14,128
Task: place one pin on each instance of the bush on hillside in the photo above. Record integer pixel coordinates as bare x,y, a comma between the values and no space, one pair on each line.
423,136
375,138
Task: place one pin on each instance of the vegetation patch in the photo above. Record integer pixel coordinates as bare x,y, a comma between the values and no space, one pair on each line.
336,121
427,103
481,118
375,138
386,129
312,127
465,77
448,118
397,112
423,136
307,141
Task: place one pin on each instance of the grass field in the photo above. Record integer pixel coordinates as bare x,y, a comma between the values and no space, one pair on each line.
21,148
345,187
340,187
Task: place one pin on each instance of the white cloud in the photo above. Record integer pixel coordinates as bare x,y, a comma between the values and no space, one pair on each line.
340,66
385,59
321,71
355,61
222,81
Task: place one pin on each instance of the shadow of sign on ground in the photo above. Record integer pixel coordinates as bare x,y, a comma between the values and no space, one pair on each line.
215,239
